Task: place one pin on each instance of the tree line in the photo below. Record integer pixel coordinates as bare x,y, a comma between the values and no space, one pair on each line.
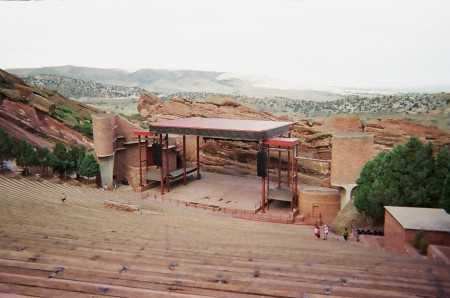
410,175
61,160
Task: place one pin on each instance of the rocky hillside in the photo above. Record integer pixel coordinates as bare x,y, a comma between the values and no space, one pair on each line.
315,136
171,81
42,116
78,88
431,109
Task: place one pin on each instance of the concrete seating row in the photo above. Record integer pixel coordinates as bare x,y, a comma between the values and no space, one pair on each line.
82,249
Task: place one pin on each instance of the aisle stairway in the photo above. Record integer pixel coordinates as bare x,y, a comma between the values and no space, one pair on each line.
82,249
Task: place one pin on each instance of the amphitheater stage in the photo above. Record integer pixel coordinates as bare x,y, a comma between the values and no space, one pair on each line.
222,191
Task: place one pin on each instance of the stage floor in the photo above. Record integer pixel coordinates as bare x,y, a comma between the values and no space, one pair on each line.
224,191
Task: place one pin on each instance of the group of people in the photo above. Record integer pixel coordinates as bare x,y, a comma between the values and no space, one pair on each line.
345,233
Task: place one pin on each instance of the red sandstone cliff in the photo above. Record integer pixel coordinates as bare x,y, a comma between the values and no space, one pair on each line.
25,114
315,137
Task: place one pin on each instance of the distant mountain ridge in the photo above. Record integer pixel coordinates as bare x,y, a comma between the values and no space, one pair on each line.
173,81
426,108
79,88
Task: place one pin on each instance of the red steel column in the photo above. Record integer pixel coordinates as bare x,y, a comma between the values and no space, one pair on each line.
184,159
288,178
146,157
198,158
140,162
279,169
268,168
161,168
293,175
263,194
296,174
167,163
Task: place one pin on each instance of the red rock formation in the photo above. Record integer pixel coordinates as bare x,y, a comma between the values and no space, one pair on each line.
315,138
390,132
148,102
26,122
25,114
342,123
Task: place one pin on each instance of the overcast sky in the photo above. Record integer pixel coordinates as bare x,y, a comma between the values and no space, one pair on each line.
357,43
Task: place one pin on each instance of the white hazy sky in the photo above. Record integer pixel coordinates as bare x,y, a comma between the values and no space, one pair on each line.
357,43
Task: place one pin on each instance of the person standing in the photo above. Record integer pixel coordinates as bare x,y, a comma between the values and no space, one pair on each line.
325,232
63,197
317,231
345,234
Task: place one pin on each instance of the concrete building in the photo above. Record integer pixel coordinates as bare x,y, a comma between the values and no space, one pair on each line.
320,204
351,151
117,149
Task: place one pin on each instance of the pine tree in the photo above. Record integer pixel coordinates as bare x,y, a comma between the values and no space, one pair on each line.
26,156
42,155
405,176
442,173
58,159
7,147
88,167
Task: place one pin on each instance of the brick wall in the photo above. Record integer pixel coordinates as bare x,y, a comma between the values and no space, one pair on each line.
394,234
351,151
325,201
437,238
126,129
104,134
120,165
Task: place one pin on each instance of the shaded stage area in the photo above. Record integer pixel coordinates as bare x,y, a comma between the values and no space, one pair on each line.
218,191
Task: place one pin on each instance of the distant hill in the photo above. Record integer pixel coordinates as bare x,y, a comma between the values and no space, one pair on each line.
173,81
431,109
78,88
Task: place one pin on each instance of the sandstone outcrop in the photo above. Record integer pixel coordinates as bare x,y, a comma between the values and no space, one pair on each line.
390,132
148,102
341,123
25,113
315,137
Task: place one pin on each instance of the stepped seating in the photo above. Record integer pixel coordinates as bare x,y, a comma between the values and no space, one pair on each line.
82,249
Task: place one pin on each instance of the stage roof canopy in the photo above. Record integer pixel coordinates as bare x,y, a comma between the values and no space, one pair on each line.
254,130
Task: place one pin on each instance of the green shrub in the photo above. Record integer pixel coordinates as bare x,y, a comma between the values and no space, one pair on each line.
85,129
419,235
423,245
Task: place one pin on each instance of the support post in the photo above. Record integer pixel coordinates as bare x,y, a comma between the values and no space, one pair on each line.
167,163
288,178
263,194
293,194
268,168
140,161
146,158
279,169
198,158
184,160
161,168
296,175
